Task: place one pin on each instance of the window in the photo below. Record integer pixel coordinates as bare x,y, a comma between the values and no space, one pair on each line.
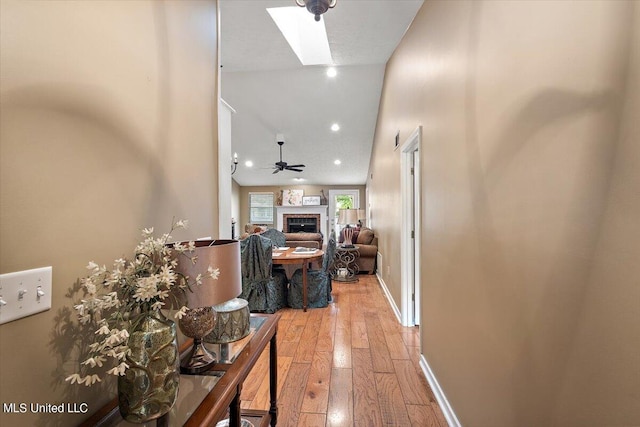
261,208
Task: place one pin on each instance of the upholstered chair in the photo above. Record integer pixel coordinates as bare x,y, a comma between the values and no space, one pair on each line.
318,281
277,237
265,291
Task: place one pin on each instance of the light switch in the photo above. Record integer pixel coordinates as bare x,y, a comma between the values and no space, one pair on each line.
24,293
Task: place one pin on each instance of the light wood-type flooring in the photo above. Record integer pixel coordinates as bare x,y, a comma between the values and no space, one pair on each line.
350,364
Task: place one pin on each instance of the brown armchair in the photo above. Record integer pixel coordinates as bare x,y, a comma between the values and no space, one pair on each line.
367,242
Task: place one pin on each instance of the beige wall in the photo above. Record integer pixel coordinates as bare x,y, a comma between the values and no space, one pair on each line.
108,125
309,190
530,234
235,208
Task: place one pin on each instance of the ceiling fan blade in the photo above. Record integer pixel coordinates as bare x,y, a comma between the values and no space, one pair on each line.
276,171
296,166
293,169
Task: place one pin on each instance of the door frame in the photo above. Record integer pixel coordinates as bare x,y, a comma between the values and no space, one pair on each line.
411,214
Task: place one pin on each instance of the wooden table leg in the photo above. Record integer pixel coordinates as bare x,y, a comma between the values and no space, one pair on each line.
234,409
273,381
304,286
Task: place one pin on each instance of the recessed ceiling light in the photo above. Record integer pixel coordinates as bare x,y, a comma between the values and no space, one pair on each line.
298,179
331,72
337,162
335,127
248,164
307,38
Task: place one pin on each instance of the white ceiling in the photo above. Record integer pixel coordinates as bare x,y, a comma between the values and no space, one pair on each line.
263,80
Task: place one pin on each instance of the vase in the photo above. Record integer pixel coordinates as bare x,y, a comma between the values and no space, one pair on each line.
149,387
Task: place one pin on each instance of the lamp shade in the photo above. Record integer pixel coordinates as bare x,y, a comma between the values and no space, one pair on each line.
348,216
361,214
221,254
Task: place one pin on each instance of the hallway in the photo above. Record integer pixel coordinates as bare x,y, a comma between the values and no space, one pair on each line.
349,364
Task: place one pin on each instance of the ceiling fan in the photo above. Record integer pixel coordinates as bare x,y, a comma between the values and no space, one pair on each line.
280,166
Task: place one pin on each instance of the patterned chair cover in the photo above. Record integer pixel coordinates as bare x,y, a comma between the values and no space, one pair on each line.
277,237
264,292
318,281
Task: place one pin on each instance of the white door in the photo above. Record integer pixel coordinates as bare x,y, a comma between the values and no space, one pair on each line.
341,199
410,236
416,238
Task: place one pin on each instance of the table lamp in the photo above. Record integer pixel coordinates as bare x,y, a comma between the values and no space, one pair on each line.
347,217
200,319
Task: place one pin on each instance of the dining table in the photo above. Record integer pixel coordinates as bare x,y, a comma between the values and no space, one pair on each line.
292,255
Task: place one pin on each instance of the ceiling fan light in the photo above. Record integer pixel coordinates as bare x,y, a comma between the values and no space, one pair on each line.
317,7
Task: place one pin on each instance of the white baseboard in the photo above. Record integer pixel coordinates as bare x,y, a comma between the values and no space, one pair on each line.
448,413
392,303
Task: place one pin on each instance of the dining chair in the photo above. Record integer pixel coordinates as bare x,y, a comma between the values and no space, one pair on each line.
277,237
318,281
266,291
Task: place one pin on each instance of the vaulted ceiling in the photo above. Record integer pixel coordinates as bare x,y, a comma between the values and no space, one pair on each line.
273,93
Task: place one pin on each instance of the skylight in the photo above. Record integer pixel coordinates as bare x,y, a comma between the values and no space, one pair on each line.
307,38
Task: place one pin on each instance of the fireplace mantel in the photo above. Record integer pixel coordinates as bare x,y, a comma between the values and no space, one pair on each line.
303,210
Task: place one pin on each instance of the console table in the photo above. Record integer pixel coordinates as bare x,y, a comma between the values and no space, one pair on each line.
214,395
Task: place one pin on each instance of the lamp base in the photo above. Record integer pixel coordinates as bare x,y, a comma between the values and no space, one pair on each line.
196,323
232,323
198,360
347,232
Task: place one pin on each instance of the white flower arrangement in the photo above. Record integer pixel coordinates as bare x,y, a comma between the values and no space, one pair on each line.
113,298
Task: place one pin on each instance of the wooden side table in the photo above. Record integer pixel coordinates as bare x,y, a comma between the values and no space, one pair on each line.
345,268
214,395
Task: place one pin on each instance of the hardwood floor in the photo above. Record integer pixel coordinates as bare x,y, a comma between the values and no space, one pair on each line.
349,364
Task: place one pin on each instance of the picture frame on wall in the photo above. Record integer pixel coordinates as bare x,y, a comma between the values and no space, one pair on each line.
292,197
311,201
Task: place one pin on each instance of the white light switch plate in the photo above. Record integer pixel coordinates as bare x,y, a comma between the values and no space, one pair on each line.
24,293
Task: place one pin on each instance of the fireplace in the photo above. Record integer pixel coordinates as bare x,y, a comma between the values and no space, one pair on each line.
307,223
319,213
295,223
